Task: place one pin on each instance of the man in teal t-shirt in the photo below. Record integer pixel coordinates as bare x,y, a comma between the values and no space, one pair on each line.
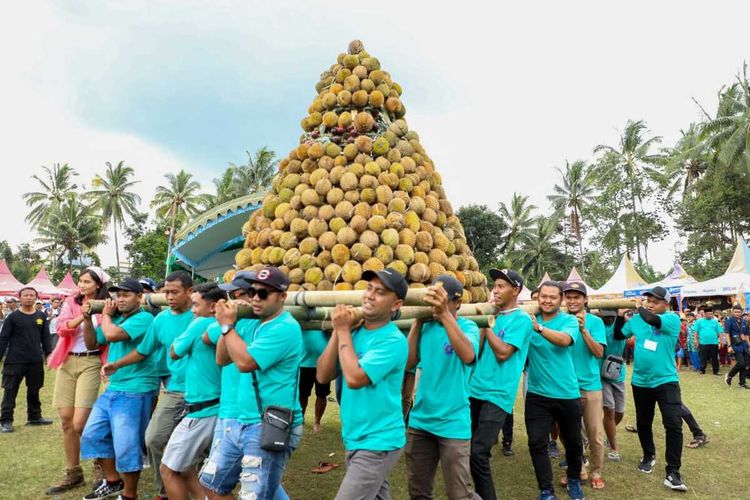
440,422
115,429
314,342
494,384
191,440
372,359
708,330
587,354
655,380
613,391
167,326
553,391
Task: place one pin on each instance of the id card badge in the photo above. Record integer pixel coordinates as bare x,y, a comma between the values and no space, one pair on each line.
650,345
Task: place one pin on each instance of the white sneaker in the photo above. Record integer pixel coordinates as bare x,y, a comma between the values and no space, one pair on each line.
614,456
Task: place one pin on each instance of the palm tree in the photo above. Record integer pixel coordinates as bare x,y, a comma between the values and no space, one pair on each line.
72,225
518,219
537,253
257,173
114,198
226,188
178,200
575,193
633,158
686,161
56,184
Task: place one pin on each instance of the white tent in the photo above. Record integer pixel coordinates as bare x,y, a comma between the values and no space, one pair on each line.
624,278
574,276
735,280
673,282
525,295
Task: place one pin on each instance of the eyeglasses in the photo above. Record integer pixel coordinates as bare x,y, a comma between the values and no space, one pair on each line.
262,293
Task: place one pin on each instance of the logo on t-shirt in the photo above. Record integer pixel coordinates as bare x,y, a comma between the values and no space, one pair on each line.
447,349
501,333
655,331
39,321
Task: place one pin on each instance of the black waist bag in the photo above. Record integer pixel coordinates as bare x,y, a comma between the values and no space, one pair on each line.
276,423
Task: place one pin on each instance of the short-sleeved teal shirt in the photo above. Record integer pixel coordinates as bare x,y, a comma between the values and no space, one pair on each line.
708,331
551,371
276,346
202,374
314,342
588,367
653,358
371,416
230,375
614,347
139,377
441,405
166,327
497,381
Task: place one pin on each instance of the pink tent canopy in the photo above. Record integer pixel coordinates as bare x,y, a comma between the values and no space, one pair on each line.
44,286
67,285
9,285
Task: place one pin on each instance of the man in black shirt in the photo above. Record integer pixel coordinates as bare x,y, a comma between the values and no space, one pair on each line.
25,335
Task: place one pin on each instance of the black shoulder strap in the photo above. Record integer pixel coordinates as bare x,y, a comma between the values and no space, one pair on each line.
257,393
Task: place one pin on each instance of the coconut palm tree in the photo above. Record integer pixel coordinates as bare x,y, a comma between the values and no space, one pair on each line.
257,173
55,184
538,251
518,219
633,158
686,161
574,193
114,198
226,188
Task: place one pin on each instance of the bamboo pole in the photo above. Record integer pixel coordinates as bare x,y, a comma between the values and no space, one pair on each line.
402,324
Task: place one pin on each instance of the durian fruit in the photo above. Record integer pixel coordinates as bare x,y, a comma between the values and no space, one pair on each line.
359,192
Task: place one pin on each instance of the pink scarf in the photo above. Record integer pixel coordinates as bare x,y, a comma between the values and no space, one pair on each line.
71,310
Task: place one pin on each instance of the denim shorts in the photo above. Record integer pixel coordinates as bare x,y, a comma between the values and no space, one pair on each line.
236,455
116,428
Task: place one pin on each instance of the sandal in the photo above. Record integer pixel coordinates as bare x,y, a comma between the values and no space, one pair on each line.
597,483
698,441
631,428
324,467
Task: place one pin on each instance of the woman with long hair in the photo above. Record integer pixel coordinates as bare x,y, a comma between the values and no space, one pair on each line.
77,382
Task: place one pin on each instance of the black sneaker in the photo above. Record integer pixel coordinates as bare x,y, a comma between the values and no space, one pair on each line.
507,451
728,380
106,490
40,421
674,482
647,465
6,427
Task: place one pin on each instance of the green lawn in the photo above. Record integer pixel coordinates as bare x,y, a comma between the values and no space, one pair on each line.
31,458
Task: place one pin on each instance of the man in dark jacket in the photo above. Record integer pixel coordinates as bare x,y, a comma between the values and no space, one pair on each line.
736,327
25,335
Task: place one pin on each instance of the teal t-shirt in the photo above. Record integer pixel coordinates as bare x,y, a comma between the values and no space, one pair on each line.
371,416
708,330
276,346
230,375
314,342
202,374
653,357
496,381
441,405
588,367
139,377
551,371
166,327
616,348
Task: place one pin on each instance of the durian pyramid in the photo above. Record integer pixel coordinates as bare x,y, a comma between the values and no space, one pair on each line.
358,193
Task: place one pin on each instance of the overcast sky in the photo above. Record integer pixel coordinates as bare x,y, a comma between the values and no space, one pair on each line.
499,93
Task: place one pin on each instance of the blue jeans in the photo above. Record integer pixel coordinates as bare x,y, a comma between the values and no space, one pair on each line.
238,457
116,429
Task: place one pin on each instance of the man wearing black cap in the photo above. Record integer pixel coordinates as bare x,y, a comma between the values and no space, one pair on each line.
440,422
494,385
655,380
586,356
708,330
268,358
736,328
372,358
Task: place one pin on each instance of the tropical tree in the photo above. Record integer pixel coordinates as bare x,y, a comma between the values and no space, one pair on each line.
572,196
686,161
518,218
55,184
539,251
257,173
114,198
482,228
634,161
226,188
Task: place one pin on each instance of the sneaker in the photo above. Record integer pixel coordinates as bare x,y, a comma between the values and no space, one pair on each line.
553,452
39,421
507,451
647,465
73,478
614,456
6,427
575,491
563,463
744,386
106,490
728,380
547,495
674,482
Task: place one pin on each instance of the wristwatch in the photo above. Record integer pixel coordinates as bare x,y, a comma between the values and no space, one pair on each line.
539,328
226,328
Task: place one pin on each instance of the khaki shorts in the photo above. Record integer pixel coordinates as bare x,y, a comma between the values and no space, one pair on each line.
77,383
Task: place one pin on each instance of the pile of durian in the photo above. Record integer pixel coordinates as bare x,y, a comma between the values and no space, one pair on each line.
358,193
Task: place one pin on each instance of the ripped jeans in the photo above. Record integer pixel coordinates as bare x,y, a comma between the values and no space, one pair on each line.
236,455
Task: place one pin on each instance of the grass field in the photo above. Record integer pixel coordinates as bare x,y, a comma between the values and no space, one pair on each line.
31,458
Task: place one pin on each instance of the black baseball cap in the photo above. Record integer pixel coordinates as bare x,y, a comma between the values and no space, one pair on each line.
659,292
736,307
575,286
242,280
149,285
273,277
392,279
451,285
127,285
508,275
